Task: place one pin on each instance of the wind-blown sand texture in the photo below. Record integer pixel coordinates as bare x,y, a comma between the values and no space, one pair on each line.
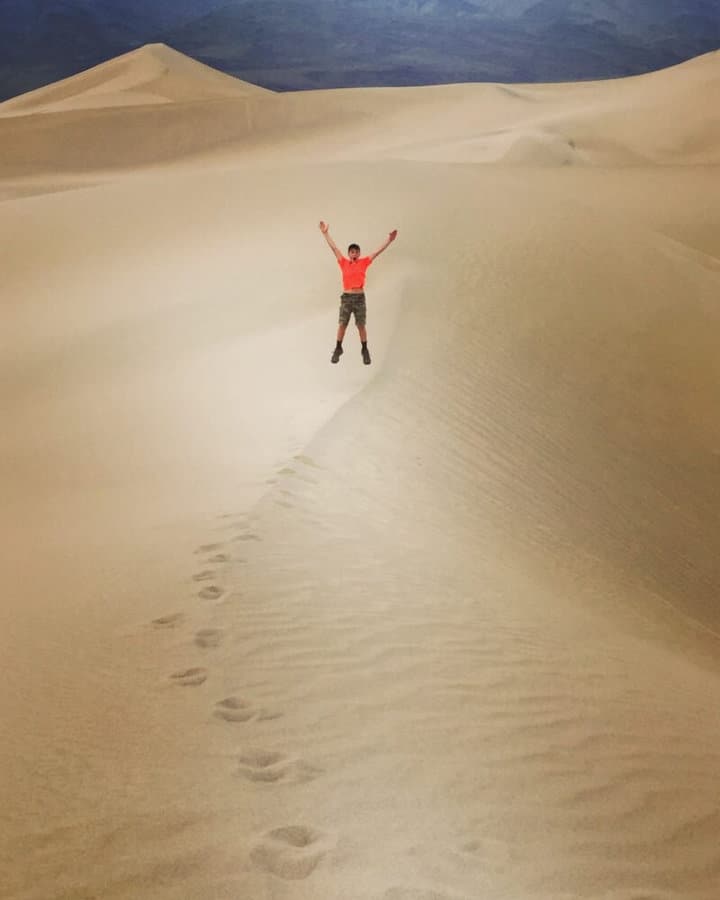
441,628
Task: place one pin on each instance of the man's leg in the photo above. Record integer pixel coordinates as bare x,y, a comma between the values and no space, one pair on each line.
342,327
364,348
360,319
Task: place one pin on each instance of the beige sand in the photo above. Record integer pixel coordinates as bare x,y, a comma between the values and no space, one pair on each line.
443,628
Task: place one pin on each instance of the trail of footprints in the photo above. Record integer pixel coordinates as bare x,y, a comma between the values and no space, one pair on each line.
291,852
211,588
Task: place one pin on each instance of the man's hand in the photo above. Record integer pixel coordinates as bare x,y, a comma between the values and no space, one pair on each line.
331,242
390,238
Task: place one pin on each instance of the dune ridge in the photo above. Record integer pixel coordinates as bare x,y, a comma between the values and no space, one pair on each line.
154,73
147,99
441,628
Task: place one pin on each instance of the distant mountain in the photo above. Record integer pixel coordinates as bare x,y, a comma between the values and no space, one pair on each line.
300,44
293,44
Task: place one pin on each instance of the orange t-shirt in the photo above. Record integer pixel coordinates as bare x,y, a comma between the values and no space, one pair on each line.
353,272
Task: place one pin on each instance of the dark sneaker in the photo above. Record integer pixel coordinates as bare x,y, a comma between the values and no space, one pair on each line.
337,353
366,356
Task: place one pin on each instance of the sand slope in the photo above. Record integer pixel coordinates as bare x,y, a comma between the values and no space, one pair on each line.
441,628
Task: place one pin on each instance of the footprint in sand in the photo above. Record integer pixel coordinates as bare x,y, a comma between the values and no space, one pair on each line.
169,621
251,536
220,558
235,709
205,575
208,638
208,548
211,592
306,460
291,852
270,767
190,677
289,472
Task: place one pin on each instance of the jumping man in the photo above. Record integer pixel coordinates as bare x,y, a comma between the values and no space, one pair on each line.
352,301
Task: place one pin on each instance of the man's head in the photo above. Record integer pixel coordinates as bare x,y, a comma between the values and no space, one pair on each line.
354,251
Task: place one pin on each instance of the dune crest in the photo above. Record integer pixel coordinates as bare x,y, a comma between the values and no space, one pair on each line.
153,74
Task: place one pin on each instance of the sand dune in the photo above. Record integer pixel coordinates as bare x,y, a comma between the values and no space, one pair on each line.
441,628
154,105
154,74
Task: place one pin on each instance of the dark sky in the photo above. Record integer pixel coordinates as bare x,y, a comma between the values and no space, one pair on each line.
296,44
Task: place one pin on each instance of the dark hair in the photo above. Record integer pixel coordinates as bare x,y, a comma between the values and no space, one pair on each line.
354,247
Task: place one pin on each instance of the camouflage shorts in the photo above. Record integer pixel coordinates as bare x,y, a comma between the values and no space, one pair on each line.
352,304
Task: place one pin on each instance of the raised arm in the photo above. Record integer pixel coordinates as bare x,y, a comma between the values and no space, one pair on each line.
331,242
390,238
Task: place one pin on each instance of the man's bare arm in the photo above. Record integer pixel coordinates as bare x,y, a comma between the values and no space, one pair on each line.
390,238
325,230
